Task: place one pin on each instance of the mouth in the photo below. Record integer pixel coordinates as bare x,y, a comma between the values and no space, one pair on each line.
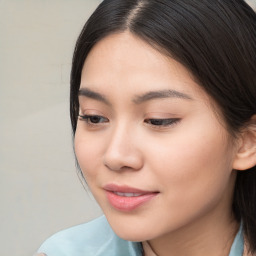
127,194
124,198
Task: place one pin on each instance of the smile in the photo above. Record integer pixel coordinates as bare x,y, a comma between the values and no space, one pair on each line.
127,194
127,199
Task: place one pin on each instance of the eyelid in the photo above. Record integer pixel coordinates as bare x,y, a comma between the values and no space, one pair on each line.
88,116
160,115
161,123
90,111
88,120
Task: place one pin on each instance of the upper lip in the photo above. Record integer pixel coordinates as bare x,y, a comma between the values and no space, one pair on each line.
125,189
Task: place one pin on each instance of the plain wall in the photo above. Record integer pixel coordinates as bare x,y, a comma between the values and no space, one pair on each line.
40,191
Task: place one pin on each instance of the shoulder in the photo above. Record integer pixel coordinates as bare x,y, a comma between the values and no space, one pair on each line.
95,238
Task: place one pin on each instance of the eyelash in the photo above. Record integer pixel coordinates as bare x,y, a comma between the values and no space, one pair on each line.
89,119
95,120
158,122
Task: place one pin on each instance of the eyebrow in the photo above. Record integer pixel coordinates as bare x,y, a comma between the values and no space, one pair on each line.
152,95
93,95
162,94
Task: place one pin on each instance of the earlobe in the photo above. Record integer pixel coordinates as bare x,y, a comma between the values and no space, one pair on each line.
246,153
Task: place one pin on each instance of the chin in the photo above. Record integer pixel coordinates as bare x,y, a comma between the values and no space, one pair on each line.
131,228
133,236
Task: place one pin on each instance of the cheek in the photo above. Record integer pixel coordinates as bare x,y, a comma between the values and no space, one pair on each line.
87,152
191,174
191,166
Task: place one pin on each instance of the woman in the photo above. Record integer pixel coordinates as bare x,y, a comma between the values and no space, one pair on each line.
163,110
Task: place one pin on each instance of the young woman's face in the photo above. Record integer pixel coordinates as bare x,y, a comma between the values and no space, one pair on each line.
149,143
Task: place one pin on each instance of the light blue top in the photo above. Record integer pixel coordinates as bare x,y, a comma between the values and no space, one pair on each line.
96,238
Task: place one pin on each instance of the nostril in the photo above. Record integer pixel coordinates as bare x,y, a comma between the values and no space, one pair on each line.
123,163
114,166
122,155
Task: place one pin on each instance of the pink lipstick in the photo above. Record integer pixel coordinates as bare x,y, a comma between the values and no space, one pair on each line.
125,198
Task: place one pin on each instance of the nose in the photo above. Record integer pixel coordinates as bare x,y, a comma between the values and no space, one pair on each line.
122,151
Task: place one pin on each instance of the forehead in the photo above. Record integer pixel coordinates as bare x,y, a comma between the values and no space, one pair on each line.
124,62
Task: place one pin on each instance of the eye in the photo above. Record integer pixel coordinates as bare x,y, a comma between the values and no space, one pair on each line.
93,119
162,122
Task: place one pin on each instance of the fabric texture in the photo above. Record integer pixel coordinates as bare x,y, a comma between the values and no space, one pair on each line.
96,238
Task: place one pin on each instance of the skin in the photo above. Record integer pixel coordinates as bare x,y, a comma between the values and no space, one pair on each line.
188,162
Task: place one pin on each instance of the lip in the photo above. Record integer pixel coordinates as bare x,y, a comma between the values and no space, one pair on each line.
125,198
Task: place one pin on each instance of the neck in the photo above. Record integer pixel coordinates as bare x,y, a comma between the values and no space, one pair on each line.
209,236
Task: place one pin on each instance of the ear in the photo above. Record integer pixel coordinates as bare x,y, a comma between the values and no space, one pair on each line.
246,154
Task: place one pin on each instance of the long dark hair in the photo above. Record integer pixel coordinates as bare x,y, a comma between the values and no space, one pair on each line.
214,39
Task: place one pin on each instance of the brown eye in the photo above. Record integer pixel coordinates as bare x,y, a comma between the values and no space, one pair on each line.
93,119
162,122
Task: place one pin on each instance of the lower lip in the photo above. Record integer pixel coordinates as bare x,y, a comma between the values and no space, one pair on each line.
126,204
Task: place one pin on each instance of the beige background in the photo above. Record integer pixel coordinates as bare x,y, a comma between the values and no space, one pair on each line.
40,191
